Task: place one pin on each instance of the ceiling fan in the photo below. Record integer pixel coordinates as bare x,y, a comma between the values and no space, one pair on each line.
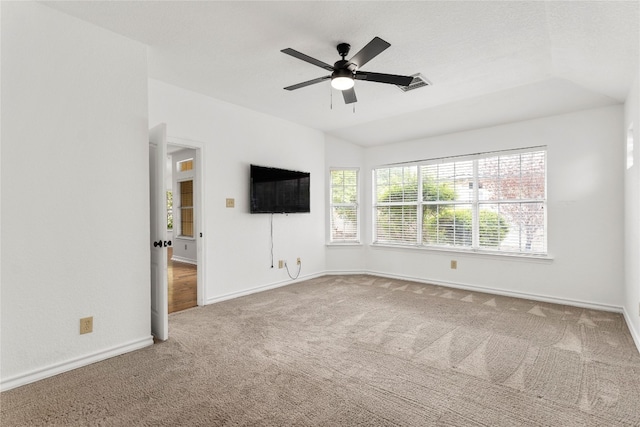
345,72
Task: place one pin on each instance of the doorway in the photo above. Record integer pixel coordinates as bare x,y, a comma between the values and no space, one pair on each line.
182,262
161,238
184,224
182,284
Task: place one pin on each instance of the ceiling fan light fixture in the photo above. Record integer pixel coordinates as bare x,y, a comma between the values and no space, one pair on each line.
342,83
342,79
345,72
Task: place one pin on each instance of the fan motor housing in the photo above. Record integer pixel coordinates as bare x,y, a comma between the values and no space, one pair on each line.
342,72
343,49
342,64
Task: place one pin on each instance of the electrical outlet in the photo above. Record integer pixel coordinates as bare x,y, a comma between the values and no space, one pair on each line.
454,264
298,261
86,325
231,203
281,264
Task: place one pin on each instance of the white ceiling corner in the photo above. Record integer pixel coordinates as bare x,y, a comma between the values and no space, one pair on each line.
490,62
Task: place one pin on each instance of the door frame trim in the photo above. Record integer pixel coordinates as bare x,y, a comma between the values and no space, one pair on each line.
199,148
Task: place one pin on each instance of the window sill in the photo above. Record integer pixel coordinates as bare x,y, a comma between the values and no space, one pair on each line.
473,253
185,238
343,244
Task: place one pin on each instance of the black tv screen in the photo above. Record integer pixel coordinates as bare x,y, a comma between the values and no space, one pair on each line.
276,190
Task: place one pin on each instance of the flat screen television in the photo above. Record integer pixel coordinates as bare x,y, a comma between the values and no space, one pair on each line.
276,190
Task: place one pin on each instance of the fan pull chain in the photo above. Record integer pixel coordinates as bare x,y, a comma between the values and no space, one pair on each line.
331,97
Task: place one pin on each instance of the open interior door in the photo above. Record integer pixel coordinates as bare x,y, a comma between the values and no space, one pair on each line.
158,244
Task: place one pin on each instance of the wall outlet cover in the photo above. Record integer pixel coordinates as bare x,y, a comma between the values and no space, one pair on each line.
86,325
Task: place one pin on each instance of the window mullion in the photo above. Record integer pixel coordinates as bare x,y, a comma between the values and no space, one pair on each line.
374,207
419,213
475,213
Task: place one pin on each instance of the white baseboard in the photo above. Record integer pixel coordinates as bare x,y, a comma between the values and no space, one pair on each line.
635,334
502,292
58,368
465,286
261,288
345,272
177,258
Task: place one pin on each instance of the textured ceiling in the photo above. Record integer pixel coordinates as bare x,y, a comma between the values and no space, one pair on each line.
490,62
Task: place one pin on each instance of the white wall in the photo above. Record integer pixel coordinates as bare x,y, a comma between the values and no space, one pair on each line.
345,258
632,216
74,107
585,211
65,128
237,243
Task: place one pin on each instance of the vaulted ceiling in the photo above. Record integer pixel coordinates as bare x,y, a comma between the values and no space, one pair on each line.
489,62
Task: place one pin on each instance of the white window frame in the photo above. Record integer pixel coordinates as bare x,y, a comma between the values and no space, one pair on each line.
355,205
475,202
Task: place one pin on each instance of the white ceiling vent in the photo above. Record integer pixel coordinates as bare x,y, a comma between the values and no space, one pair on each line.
418,81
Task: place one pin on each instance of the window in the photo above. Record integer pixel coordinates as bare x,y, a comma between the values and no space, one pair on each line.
185,165
397,203
186,208
344,206
487,202
169,210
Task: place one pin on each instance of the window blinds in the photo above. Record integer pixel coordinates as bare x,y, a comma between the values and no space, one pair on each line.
490,202
344,206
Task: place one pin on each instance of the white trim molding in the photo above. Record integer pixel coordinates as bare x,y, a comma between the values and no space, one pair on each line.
502,292
635,334
346,272
261,288
184,260
58,368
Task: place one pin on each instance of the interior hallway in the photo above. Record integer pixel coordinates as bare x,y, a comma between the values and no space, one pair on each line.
182,284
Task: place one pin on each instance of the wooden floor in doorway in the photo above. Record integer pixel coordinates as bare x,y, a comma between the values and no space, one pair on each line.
182,284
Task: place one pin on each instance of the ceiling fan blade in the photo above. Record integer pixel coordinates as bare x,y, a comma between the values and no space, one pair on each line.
307,58
370,51
349,96
384,78
308,83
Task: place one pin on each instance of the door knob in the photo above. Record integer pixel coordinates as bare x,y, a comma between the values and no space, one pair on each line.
167,243
158,243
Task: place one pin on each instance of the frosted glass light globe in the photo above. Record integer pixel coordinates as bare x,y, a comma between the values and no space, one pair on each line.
342,83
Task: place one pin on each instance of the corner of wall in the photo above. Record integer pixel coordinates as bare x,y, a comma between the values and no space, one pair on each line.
632,214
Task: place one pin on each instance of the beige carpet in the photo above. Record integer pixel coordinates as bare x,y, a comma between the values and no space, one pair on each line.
357,351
